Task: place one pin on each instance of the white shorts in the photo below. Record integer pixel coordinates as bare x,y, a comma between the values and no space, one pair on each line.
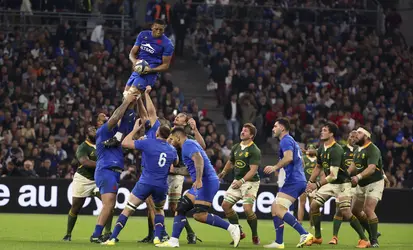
373,190
249,188
82,187
175,185
335,190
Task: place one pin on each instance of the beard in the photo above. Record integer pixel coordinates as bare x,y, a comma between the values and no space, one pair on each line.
360,142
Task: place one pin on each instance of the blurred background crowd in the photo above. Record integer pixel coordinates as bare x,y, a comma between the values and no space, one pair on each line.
265,59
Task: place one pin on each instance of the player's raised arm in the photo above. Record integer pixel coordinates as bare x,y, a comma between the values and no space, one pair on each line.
128,142
197,135
120,111
150,107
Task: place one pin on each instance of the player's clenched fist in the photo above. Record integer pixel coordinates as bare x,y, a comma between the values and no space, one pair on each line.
192,123
197,184
131,97
269,169
148,89
138,125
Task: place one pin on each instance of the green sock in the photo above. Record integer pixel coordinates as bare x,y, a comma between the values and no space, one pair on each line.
71,221
374,223
337,224
355,224
317,224
188,228
365,224
253,222
108,225
232,217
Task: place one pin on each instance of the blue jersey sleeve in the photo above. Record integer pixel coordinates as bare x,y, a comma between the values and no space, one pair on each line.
141,144
151,133
138,40
168,49
286,144
189,148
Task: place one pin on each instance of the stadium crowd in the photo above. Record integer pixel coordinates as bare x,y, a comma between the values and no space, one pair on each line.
53,85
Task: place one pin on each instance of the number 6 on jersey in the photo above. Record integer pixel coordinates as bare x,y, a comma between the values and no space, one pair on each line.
162,160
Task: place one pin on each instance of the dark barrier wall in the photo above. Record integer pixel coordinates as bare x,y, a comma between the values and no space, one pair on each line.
45,196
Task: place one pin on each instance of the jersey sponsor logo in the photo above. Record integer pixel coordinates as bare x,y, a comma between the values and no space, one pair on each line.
325,165
240,164
309,170
358,166
348,162
148,48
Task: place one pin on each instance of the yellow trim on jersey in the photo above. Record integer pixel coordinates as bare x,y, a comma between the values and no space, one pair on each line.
90,144
350,147
312,158
364,146
329,146
248,145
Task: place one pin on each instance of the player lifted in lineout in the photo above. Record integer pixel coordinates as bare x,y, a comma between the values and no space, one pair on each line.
245,157
156,49
157,155
310,161
83,184
294,185
330,159
110,161
368,167
200,196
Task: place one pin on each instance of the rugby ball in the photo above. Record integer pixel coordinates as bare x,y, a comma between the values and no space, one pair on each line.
140,66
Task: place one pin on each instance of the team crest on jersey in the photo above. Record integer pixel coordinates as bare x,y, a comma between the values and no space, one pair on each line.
325,165
362,156
146,38
240,164
246,154
240,154
328,156
159,41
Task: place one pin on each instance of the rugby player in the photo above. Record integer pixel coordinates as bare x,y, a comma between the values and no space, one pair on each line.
246,158
83,184
109,163
330,159
294,185
158,156
368,169
200,196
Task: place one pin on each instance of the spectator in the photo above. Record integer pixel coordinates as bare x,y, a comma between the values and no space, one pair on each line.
232,114
10,170
46,170
28,170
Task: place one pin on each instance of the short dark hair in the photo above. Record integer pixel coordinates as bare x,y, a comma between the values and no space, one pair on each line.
285,122
251,128
159,21
164,131
177,130
332,128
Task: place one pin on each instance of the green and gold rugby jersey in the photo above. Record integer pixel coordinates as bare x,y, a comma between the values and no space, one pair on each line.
242,159
86,149
309,165
363,157
333,155
348,155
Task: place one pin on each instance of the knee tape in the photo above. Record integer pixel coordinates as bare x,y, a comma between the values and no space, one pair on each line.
346,204
158,206
249,200
283,202
199,208
131,206
319,199
184,205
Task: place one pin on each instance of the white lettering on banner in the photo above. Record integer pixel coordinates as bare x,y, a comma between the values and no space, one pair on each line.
326,208
5,194
28,196
69,196
125,193
53,197
98,206
215,204
264,202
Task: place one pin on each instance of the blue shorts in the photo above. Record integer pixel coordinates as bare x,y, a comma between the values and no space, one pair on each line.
127,122
141,81
107,181
207,192
143,191
293,189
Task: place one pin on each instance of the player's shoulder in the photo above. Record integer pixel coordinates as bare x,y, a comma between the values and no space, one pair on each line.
337,146
372,148
234,147
255,148
82,146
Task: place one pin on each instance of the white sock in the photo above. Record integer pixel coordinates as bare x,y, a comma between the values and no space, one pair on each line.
174,240
230,228
118,136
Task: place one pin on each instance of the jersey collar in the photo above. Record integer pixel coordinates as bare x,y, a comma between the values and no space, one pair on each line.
350,147
364,146
90,144
246,146
330,145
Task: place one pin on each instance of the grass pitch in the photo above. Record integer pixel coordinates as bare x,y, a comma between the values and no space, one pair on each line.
41,232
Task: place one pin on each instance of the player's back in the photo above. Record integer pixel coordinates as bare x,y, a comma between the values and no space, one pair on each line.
294,171
151,49
157,155
188,149
107,158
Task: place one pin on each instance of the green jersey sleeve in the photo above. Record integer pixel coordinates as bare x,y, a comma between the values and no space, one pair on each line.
319,159
255,158
373,156
232,154
81,151
336,156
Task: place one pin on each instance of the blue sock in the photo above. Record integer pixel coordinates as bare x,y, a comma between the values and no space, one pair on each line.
98,231
216,221
279,229
164,233
292,221
159,228
120,224
179,224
